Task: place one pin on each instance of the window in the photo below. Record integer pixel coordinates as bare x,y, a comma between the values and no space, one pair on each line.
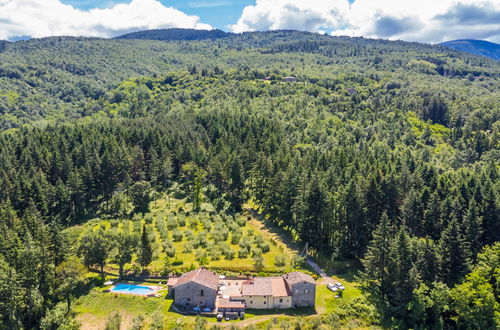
189,299
264,302
281,300
306,291
251,302
296,291
201,293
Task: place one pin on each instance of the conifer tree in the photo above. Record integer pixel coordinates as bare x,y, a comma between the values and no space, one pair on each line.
146,251
376,261
454,254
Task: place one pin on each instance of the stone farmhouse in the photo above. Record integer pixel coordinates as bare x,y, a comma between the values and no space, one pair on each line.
197,288
201,290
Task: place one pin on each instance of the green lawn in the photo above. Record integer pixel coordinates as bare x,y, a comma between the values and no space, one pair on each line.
326,301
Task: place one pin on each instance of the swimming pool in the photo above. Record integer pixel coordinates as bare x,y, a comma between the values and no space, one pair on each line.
133,289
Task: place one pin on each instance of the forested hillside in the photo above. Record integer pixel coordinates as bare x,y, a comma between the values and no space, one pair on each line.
383,152
476,47
175,34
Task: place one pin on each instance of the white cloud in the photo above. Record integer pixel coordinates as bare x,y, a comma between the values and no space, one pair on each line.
422,20
41,18
309,15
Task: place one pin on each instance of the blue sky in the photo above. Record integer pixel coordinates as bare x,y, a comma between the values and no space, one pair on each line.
429,21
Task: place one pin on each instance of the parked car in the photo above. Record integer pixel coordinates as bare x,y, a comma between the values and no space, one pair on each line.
335,287
332,287
339,286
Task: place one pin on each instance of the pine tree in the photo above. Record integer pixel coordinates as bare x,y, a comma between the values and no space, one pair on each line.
472,229
376,259
146,251
454,254
237,185
402,277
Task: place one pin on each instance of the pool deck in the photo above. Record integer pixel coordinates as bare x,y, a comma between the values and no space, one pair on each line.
153,293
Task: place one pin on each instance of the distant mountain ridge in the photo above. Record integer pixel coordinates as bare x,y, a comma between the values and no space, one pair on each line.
3,43
176,34
476,47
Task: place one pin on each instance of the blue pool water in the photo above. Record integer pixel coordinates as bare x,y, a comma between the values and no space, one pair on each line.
131,288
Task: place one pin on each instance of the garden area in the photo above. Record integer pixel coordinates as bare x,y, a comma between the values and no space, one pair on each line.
181,240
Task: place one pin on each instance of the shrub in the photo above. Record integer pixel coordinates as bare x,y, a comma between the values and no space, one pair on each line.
256,252
156,321
171,223
265,248
242,253
259,239
258,262
220,233
202,239
188,247
279,260
245,243
224,247
201,257
170,251
236,236
241,221
114,322
215,253
181,220
177,235
138,323
193,223
207,224
229,255
298,261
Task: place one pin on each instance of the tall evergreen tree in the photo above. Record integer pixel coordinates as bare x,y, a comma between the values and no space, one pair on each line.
454,254
145,250
377,260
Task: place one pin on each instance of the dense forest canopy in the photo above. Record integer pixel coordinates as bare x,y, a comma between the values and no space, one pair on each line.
385,152
52,78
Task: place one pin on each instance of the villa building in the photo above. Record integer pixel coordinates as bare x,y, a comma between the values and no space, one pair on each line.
203,290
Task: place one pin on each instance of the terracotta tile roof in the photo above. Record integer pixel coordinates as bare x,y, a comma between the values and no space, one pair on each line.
172,281
260,286
298,277
265,286
226,303
201,276
279,287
